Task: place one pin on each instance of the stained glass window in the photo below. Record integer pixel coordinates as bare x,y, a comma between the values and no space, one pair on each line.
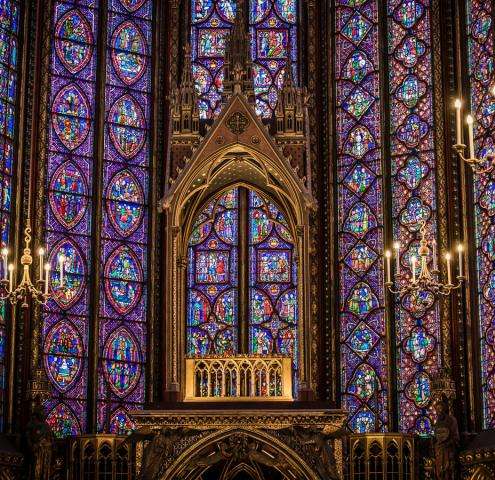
122,208
68,212
272,281
212,313
273,40
360,218
9,29
216,248
124,227
413,201
211,21
481,65
273,30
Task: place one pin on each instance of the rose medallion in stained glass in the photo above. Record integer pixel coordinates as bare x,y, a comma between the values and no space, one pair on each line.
68,194
132,5
63,422
418,390
123,279
362,300
364,382
74,273
70,116
129,52
127,126
362,339
121,423
357,67
73,41
125,199
122,361
63,355
360,142
360,220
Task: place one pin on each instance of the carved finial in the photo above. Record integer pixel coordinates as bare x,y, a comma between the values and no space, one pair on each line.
238,70
184,102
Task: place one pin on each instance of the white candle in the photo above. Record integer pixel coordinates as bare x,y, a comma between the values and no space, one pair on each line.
470,121
11,277
41,253
434,253
47,277
5,254
61,262
458,121
397,258
413,268
460,249
388,255
449,274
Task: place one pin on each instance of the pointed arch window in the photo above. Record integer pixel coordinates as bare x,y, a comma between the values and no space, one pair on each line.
242,278
9,30
97,215
273,27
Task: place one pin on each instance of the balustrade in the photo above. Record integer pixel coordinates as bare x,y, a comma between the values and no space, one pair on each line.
239,378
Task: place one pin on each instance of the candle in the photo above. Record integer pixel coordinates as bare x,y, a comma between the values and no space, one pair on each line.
388,255
11,277
41,253
434,253
449,275
458,122
5,254
397,258
460,249
47,277
470,121
413,268
61,262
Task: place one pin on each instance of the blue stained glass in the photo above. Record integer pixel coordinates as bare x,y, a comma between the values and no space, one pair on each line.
273,27
213,278
124,239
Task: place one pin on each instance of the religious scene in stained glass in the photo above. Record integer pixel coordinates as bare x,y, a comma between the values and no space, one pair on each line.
481,48
69,186
413,203
360,217
211,21
9,31
272,281
212,313
273,28
213,278
124,237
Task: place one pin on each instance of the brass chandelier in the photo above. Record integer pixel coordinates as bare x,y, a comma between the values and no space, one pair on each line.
38,290
423,278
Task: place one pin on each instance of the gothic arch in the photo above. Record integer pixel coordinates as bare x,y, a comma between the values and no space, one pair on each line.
190,465
237,150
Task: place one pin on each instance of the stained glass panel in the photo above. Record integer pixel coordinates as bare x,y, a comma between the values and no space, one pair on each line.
124,237
273,29
213,323
481,69
68,223
360,205
9,30
413,201
211,21
273,26
273,311
212,314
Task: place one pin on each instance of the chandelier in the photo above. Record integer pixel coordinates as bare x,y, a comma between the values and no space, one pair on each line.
37,290
422,279
478,165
